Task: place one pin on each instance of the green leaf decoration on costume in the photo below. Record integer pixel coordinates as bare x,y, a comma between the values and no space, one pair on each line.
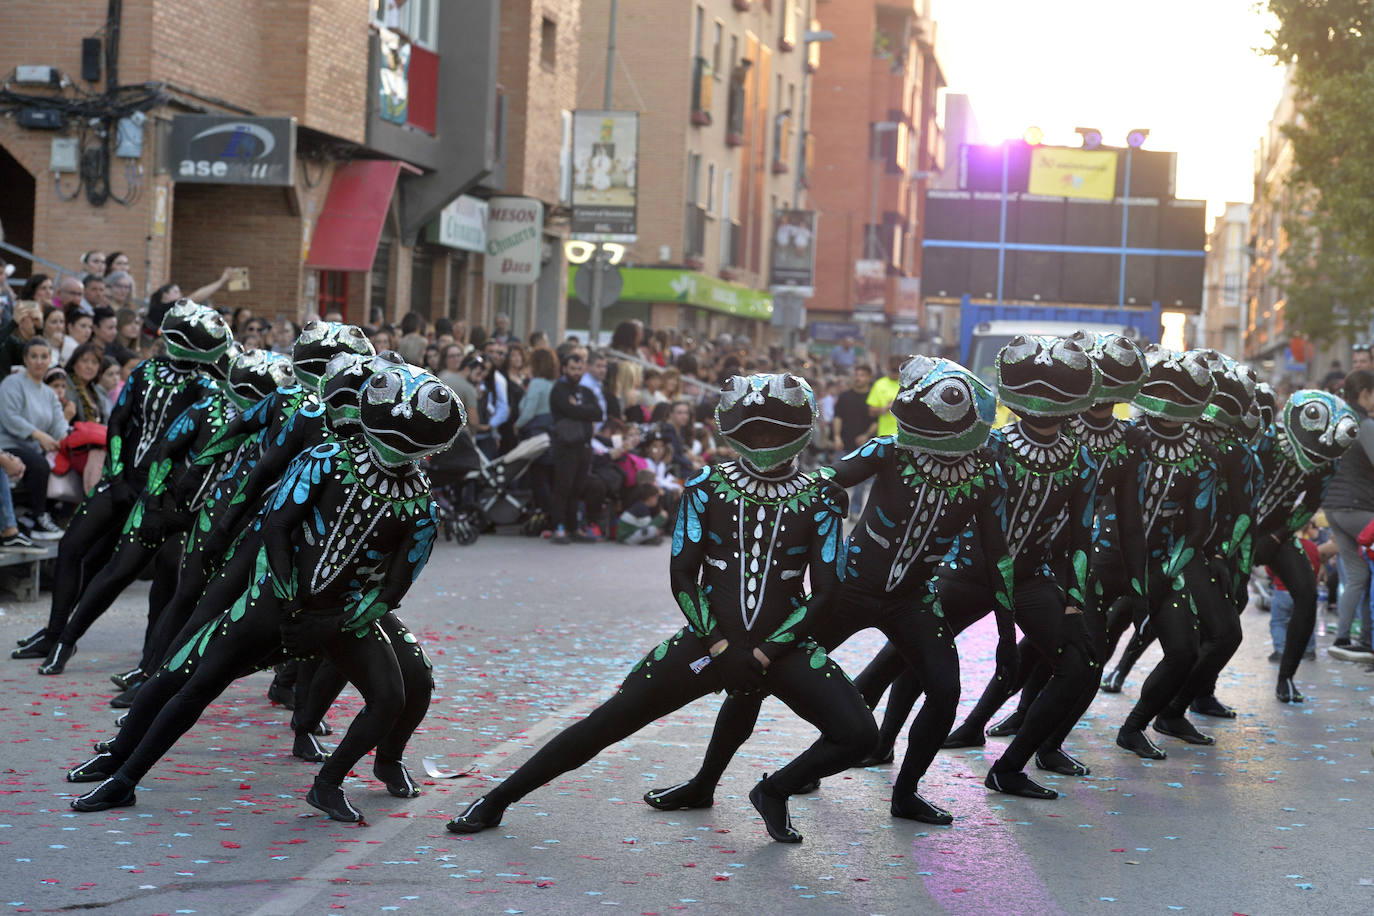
135,518
660,651
818,657
201,636
116,465
1005,566
781,634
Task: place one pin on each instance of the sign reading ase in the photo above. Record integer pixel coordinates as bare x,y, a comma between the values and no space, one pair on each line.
515,240
219,149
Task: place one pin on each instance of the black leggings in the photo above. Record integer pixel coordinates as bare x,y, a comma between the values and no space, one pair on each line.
812,685
1289,562
1174,622
134,551
85,548
921,640
167,625
387,732
1221,634
1061,638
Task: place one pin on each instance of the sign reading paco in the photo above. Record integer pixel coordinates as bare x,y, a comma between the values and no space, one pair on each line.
220,149
515,240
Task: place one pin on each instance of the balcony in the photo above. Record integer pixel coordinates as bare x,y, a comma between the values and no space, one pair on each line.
703,85
734,118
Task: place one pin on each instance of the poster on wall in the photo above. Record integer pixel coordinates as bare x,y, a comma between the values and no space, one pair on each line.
793,262
870,283
515,237
605,159
394,81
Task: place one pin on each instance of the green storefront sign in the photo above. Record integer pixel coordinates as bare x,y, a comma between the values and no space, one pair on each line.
653,284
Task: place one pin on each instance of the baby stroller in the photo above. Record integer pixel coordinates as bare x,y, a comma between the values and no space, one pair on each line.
474,493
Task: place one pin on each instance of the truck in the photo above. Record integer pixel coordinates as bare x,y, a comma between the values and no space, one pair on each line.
986,327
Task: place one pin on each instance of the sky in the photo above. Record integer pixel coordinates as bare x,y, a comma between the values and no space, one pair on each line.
1186,70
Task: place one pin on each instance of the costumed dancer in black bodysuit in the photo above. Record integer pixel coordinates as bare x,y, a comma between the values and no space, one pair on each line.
341,542
171,499
1314,430
1217,585
157,392
1117,570
932,480
1178,484
1044,379
746,533
269,427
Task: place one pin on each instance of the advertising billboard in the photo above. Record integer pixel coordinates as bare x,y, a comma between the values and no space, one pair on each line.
224,149
515,236
793,260
605,158
1087,174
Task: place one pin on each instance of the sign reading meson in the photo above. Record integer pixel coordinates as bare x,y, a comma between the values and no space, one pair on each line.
220,149
515,236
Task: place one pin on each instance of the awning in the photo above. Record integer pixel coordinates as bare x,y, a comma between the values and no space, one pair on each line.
354,211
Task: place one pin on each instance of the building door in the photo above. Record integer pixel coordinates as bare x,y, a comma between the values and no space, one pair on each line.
16,213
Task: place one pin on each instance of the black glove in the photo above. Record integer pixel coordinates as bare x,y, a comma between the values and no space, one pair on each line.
1008,664
740,671
303,634
836,496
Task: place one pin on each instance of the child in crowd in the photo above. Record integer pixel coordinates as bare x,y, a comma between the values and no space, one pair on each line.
642,522
56,379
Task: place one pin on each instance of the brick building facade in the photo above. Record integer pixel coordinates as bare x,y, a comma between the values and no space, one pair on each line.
321,62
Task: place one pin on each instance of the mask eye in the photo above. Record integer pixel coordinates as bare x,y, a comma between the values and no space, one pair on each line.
436,403
383,387
1071,354
1314,416
1019,348
949,400
1346,432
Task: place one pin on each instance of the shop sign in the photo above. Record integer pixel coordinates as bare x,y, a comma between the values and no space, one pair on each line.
463,224
515,236
653,284
219,149
605,162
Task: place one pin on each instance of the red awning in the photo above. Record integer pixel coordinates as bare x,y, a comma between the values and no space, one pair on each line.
350,224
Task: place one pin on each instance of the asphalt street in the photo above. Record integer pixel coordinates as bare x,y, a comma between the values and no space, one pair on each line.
526,637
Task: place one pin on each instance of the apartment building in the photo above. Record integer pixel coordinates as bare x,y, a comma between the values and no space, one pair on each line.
719,87
1227,268
878,143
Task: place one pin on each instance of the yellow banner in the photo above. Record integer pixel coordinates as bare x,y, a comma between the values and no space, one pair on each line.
1083,173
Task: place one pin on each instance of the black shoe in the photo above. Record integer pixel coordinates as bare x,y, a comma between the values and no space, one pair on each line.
915,808
100,767
396,778
811,788
332,801
307,748
119,722
103,747
1139,743
1211,706
478,816
1057,761
1018,784
130,678
1341,642
126,699
57,659
34,638
1276,656
112,793
1179,727
280,695
773,808
881,756
682,797
321,729
36,646
1008,726
1112,683
1288,692
963,736
19,542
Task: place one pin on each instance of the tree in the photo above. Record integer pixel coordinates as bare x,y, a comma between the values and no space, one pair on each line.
1329,264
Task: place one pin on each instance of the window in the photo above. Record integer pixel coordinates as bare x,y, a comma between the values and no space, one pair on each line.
734,53
710,187
717,40
693,178
418,20
698,27
548,43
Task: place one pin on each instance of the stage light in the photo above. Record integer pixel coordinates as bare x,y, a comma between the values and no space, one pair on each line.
1033,136
1136,138
1092,137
